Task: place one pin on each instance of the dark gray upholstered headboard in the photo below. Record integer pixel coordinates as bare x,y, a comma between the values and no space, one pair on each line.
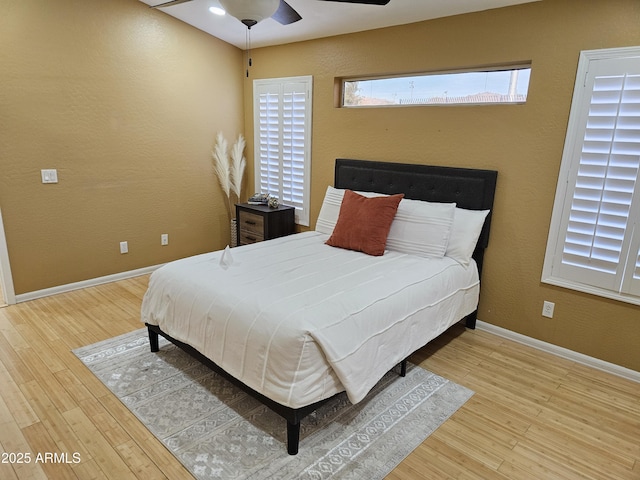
468,188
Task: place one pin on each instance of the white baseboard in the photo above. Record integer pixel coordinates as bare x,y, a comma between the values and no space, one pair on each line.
92,282
560,351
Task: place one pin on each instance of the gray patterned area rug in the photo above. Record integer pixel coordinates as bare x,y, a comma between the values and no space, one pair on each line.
219,432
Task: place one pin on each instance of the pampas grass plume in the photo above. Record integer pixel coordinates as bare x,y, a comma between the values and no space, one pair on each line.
238,164
221,164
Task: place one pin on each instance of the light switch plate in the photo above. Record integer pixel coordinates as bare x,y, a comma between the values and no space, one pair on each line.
49,175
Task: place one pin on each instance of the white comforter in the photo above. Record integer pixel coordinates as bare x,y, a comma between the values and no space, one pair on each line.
299,321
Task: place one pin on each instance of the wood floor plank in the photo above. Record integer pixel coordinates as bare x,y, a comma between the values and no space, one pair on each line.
55,463
587,455
153,448
10,340
550,462
57,427
138,462
6,470
500,392
542,368
82,374
14,400
452,462
41,346
56,392
444,366
9,318
606,397
532,387
90,470
19,462
604,417
591,376
582,429
97,445
73,386
485,451
134,428
474,426
514,421
121,440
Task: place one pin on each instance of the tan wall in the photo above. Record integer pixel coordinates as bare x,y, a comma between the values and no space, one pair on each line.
524,143
124,102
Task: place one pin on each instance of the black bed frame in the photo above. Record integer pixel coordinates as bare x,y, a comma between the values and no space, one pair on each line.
468,188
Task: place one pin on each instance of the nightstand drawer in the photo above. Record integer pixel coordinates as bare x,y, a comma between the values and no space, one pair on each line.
248,237
251,223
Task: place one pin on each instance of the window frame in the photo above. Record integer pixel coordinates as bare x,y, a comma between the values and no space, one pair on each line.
280,87
342,87
628,287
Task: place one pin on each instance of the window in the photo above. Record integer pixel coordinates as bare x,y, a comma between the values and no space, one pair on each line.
482,86
594,239
282,126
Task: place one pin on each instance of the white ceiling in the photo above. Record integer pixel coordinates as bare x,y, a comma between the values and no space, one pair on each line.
322,18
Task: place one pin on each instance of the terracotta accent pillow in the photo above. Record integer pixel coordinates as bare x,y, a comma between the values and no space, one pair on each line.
364,223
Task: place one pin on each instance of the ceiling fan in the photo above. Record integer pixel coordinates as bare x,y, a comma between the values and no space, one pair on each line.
251,12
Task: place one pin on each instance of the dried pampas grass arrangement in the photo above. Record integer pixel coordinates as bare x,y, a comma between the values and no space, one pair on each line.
230,171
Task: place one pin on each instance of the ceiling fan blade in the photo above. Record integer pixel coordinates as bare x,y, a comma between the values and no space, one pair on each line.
365,2
169,4
286,14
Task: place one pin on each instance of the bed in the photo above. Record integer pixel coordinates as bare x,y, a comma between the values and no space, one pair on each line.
295,321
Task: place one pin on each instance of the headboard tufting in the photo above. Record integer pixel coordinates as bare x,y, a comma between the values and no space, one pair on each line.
468,188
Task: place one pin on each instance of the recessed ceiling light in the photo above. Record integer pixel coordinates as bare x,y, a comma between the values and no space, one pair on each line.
216,10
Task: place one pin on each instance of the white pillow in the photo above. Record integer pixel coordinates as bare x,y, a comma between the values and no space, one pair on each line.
419,228
330,210
467,225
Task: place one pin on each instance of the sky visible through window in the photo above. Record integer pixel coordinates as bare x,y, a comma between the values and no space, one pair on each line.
459,87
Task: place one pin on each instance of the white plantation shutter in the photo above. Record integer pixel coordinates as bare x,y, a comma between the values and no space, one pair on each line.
594,241
282,127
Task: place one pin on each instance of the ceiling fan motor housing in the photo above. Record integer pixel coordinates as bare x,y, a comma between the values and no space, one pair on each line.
250,12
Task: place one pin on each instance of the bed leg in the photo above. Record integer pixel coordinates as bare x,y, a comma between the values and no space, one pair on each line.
293,437
470,320
403,368
153,340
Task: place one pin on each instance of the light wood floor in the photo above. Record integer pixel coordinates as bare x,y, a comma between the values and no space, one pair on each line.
533,415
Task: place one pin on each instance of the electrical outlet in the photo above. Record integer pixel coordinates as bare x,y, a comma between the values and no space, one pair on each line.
547,309
124,247
164,239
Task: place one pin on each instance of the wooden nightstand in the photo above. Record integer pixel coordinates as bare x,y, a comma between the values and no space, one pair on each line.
260,222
